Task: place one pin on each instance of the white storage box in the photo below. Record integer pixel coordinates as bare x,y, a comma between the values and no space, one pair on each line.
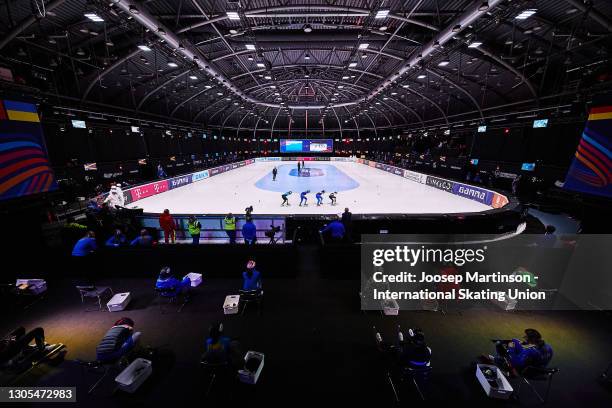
195,278
503,390
231,304
130,379
119,302
251,377
35,286
390,307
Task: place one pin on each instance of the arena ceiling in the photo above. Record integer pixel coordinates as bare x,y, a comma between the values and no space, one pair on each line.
312,64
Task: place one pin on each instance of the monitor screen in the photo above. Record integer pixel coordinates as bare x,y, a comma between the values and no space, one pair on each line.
540,123
482,129
135,129
528,166
474,161
79,124
306,145
90,166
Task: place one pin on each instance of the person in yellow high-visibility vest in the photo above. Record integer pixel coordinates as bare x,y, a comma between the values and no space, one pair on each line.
194,227
229,225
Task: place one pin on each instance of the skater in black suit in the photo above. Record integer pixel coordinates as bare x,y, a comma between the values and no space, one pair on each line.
274,173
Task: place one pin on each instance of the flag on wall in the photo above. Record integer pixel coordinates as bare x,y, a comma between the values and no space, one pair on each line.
18,111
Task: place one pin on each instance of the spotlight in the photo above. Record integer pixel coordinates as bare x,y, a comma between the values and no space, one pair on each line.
484,6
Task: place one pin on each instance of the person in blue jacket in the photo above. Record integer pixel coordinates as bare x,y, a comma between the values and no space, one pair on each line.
143,240
335,229
167,280
304,198
533,351
319,197
161,173
249,232
251,278
86,245
217,345
118,239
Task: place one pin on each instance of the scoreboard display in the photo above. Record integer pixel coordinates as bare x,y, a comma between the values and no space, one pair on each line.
306,145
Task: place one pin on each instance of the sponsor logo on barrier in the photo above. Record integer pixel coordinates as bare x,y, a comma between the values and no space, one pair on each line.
236,165
473,193
499,200
179,181
378,166
149,190
398,172
251,161
200,175
215,171
439,183
414,176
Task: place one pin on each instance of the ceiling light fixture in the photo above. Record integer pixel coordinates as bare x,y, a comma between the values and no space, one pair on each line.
363,46
93,17
250,47
233,15
475,44
382,14
484,6
307,28
525,14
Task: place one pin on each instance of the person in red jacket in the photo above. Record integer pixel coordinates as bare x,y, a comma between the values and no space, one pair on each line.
166,223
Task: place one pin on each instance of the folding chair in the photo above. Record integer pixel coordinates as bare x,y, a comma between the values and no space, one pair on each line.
171,296
95,292
532,374
251,296
214,368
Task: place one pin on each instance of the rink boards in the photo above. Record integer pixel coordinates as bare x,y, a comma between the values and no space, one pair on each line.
481,195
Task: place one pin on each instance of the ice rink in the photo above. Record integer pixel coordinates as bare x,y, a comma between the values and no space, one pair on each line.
365,190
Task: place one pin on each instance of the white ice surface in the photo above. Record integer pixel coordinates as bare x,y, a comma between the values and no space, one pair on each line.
378,192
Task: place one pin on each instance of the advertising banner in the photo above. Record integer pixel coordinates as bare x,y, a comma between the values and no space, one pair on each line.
473,193
179,181
414,176
439,183
591,169
499,200
149,190
200,175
